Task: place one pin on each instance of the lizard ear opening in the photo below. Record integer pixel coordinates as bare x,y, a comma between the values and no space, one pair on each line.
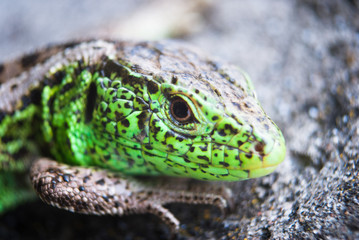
90,102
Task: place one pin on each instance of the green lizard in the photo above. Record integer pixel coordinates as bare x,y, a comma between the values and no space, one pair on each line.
133,108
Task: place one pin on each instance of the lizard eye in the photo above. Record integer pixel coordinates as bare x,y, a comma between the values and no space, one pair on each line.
180,111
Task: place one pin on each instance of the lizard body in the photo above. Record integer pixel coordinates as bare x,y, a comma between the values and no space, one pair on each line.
135,108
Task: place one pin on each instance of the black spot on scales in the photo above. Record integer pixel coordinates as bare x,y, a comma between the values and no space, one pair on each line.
29,60
90,102
57,78
1,68
106,198
180,138
86,179
222,133
66,177
142,120
35,95
224,164
132,80
67,87
186,160
203,158
170,148
112,67
127,105
248,105
174,80
204,148
141,102
149,154
103,124
26,101
166,92
125,123
100,182
217,92
98,208
53,184
112,92
119,115
148,147
230,128
169,134
152,87
116,85
33,98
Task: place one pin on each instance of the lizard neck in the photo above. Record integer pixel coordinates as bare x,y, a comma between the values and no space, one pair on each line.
66,111
86,117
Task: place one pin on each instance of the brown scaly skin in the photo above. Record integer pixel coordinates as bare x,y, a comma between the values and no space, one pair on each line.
95,191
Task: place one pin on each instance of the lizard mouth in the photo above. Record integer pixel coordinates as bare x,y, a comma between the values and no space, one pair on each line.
269,161
257,166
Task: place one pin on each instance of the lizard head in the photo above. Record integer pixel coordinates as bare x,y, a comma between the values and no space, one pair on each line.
192,117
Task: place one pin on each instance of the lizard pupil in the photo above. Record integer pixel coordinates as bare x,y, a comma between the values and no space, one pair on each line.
180,110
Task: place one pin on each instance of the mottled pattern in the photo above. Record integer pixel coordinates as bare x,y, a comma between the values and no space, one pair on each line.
233,138
139,108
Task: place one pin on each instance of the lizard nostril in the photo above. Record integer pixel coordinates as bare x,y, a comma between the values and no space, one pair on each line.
259,147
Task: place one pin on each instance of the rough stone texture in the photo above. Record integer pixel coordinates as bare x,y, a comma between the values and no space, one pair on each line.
303,57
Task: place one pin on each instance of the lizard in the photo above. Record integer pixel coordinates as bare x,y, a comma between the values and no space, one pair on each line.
85,119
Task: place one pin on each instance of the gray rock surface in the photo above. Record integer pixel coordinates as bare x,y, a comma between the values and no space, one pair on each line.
303,57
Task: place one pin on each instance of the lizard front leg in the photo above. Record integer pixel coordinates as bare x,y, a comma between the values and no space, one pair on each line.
100,192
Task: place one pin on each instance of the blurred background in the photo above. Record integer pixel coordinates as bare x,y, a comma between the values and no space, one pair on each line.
297,53
244,32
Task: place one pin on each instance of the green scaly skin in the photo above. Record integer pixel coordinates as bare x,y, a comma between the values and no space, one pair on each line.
113,111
